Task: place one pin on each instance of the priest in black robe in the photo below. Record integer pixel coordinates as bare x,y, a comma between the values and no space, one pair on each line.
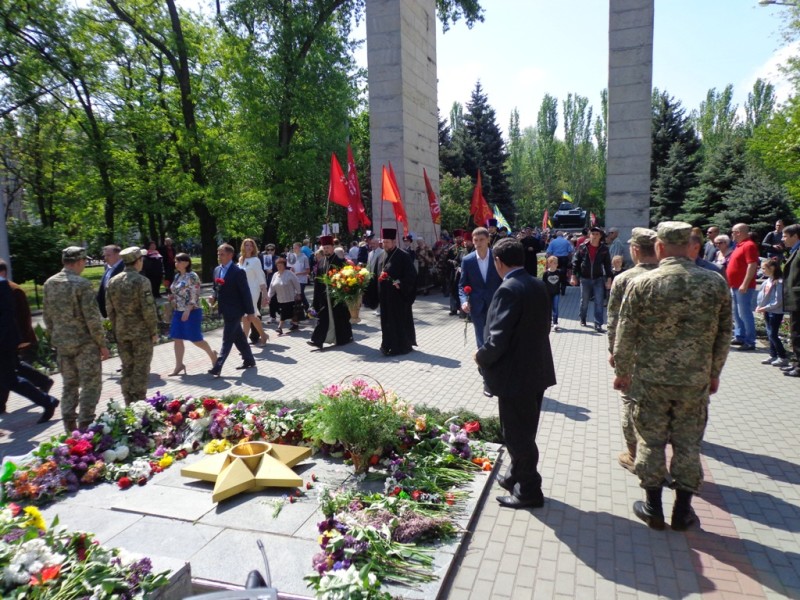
396,290
333,320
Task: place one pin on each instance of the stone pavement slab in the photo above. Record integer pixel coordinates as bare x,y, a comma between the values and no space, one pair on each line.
585,542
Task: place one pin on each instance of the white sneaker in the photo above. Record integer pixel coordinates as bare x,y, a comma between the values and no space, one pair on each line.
780,362
769,361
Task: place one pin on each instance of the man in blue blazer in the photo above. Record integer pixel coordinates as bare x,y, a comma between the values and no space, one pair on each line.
232,296
517,366
478,272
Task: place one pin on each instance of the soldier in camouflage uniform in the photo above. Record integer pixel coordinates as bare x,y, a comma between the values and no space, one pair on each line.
668,356
132,311
75,326
643,253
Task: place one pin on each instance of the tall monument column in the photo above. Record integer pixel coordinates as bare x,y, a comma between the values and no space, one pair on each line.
403,117
630,83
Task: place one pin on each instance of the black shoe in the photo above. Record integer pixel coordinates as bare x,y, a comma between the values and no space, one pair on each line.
487,392
49,411
583,322
788,368
245,365
215,372
515,502
746,348
735,342
453,313
506,483
793,373
683,516
599,329
310,343
651,512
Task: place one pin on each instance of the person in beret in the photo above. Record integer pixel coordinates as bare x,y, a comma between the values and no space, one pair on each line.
73,321
642,246
132,311
668,356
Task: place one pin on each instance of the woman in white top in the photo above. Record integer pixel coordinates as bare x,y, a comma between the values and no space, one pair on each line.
286,288
251,264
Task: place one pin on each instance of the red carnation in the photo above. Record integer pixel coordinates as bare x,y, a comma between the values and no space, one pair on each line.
209,404
383,276
174,406
219,281
467,289
124,483
416,494
472,426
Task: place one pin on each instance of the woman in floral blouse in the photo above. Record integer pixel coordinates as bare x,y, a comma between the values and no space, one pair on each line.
188,315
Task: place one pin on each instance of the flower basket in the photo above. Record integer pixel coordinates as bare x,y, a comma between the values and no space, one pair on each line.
363,418
347,284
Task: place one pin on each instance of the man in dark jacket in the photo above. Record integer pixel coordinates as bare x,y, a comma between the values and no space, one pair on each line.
232,296
517,366
591,266
791,292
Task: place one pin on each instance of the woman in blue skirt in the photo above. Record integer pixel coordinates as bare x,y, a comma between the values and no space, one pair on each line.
188,315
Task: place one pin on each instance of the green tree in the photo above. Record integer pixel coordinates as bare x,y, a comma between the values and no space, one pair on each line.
456,193
722,171
35,252
716,120
579,156
756,200
545,157
759,106
671,180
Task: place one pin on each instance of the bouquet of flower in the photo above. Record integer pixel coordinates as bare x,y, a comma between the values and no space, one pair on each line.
346,284
38,563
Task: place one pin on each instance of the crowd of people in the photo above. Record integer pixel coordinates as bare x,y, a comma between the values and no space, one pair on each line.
667,357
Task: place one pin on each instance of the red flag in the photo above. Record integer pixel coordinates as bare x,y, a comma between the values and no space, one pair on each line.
545,219
354,190
436,211
391,192
592,219
337,191
478,208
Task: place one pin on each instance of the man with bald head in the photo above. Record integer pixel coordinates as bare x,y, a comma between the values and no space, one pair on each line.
741,274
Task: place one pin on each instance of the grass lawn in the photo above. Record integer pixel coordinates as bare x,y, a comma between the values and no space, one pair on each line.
93,274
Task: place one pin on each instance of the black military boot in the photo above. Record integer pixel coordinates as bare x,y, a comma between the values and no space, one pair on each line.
683,515
651,511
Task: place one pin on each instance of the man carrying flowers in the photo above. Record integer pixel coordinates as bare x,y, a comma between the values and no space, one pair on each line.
333,325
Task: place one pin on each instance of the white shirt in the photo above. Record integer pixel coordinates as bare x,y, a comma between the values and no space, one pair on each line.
299,265
483,264
353,253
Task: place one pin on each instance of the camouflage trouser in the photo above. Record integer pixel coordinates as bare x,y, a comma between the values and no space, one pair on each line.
626,420
135,356
81,373
675,414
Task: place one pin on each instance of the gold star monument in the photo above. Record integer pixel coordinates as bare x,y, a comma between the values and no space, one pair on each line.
249,466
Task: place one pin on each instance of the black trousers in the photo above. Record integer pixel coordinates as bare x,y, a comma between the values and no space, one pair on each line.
232,335
519,418
794,334
11,380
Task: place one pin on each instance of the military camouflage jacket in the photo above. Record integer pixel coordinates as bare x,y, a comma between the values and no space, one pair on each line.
130,306
618,288
70,311
674,326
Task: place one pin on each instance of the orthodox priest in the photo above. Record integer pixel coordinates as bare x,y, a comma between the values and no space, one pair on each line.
333,325
396,291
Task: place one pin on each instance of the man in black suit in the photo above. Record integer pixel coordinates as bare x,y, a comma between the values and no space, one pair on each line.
10,379
114,267
517,367
232,296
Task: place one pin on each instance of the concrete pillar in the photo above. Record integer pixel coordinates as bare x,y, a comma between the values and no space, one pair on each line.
403,118
630,82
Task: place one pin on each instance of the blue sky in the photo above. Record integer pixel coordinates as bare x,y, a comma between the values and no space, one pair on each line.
526,48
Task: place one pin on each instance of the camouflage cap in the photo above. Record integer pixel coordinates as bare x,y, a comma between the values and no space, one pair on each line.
73,253
674,232
132,254
641,236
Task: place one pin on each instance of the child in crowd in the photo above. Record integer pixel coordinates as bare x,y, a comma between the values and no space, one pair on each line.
770,304
553,278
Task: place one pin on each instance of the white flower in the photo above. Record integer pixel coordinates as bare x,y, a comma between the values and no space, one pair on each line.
109,456
31,557
106,429
122,452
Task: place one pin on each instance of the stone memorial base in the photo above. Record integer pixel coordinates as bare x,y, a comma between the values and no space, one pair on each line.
174,521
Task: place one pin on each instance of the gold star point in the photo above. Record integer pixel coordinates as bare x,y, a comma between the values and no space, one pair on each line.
249,466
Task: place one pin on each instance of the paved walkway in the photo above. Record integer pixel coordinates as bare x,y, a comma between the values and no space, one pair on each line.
585,542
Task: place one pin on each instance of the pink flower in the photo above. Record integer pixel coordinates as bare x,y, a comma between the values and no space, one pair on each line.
472,426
